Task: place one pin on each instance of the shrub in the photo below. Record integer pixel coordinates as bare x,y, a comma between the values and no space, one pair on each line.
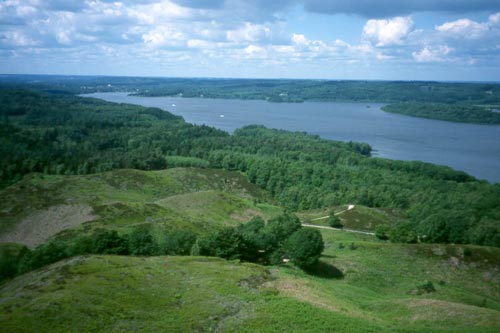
382,231
283,226
403,232
334,221
178,242
304,247
109,242
43,255
141,243
226,243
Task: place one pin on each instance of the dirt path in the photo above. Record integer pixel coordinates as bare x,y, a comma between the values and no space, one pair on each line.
325,217
338,229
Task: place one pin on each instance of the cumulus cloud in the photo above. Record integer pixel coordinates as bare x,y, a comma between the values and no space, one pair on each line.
180,34
464,28
249,33
432,54
388,32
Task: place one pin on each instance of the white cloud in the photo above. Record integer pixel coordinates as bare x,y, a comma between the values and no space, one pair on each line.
249,33
464,28
162,36
16,38
494,19
388,32
432,54
254,51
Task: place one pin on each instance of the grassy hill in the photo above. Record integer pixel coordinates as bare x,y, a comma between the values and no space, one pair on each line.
360,285
41,206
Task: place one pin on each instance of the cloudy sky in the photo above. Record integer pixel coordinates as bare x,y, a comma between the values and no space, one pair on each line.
336,39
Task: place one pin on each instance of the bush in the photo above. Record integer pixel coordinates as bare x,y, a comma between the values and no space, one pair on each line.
226,243
335,222
382,231
141,243
304,247
9,261
43,255
403,232
178,242
109,242
283,226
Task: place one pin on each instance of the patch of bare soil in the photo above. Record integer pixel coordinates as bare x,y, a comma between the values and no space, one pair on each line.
39,226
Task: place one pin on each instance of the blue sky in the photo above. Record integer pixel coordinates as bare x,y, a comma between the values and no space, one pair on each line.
457,40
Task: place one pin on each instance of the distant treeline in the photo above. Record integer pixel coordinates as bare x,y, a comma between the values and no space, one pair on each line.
449,112
276,90
63,134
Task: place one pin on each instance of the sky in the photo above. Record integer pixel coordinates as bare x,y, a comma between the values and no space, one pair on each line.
444,40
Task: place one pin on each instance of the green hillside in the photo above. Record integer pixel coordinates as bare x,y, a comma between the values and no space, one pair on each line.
41,206
370,286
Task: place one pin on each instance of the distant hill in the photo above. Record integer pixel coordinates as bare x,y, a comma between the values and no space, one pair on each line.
41,206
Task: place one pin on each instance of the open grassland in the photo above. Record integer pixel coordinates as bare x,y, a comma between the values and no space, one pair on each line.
158,294
41,206
360,285
362,277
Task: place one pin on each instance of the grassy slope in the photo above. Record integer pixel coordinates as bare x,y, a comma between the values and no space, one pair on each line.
369,287
359,218
377,281
158,294
366,289
187,198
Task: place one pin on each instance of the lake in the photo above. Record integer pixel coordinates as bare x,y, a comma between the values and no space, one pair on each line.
472,148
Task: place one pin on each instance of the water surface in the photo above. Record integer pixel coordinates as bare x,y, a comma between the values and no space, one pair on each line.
472,148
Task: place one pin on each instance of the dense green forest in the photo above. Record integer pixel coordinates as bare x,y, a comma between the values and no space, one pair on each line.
63,134
449,112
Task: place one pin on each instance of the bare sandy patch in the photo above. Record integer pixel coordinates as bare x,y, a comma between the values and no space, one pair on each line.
39,226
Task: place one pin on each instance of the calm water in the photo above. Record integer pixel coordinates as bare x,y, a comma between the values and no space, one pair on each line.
471,148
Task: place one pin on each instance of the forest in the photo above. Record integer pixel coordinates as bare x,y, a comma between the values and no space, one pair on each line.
448,112
58,133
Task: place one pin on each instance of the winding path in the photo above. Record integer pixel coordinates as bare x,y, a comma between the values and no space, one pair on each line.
337,229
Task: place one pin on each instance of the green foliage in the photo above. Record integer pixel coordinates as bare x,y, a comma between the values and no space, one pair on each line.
43,255
334,221
403,232
178,242
486,232
10,257
304,247
283,226
449,112
226,243
382,231
109,242
141,243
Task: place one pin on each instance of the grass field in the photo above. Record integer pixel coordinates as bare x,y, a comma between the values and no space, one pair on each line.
41,206
360,285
